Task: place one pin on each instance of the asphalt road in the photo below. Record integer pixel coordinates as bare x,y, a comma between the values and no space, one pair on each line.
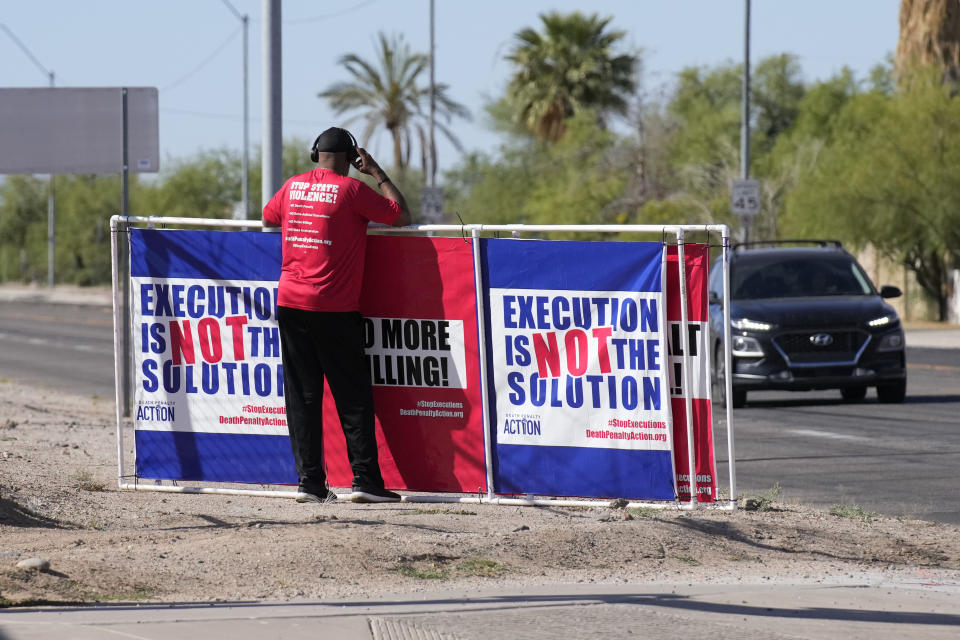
62,346
891,459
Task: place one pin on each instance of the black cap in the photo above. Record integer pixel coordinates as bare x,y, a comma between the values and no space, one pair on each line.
334,140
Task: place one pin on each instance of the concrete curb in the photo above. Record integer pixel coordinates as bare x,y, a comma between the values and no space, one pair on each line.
61,294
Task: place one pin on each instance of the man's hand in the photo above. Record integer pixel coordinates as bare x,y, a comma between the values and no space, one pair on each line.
370,167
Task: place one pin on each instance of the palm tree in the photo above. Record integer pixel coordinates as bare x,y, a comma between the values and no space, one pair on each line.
389,96
929,35
569,67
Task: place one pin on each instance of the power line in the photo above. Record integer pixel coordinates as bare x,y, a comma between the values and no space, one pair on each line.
234,10
204,63
30,55
335,14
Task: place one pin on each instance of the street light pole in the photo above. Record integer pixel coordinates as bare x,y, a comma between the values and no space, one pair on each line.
272,160
51,219
51,198
433,106
245,178
246,118
746,221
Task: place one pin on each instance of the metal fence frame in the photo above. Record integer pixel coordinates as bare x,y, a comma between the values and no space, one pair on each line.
121,336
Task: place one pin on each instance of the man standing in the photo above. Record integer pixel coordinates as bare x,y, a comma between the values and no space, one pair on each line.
324,215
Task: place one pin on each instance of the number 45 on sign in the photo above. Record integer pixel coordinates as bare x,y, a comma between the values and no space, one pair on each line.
745,197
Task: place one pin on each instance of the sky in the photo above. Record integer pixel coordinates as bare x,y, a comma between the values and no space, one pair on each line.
191,50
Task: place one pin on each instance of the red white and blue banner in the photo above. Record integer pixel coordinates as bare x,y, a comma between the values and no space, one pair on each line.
696,264
420,306
208,403
580,400
209,397
585,368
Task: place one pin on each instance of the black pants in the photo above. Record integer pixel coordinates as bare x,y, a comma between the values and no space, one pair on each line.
318,345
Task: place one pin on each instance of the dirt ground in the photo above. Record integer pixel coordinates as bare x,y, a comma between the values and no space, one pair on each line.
59,502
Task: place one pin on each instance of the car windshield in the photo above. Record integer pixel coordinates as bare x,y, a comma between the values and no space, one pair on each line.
778,277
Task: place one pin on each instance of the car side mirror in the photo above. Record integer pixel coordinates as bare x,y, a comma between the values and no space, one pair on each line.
890,291
714,298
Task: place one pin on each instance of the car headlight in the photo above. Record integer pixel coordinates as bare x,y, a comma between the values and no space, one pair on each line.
882,321
746,324
891,342
746,347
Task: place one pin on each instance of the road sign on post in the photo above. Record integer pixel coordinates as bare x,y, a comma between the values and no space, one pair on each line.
745,197
431,205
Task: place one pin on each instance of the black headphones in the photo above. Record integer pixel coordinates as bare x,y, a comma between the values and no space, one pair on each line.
352,154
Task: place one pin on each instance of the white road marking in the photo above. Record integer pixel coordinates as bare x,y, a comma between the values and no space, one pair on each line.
825,434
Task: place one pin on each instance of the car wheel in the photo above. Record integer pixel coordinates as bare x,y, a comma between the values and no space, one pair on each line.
894,392
853,394
719,379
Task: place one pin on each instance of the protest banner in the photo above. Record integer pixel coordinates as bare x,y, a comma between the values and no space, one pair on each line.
582,353
697,263
420,309
578,368
208,402
209,396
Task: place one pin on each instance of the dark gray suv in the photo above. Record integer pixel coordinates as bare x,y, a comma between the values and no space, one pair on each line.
806,317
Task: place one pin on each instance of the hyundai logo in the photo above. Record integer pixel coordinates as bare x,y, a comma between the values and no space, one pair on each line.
821,339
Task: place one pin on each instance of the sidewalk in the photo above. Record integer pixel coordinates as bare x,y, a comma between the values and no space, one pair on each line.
61,294
947,337
856,610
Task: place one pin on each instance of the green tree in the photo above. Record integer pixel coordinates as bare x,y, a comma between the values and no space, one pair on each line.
388,94
206,185
705,146
488,190
84,206
888,178
23,205
575,181
568,67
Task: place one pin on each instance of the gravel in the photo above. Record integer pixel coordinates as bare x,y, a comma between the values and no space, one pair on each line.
59,503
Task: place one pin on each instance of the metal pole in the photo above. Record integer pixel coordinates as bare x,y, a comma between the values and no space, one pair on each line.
728,368
115,270
484,387
51,198
125,261
245,182
124,169
272,103
244,212
685,372
51,231
433,106
51,223
745,221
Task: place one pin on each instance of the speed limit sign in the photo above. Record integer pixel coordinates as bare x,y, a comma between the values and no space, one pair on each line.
745,197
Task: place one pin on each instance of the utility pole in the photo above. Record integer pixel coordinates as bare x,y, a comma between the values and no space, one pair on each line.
431,196
433,106
746,221
272,161
245,178
51,223
51,197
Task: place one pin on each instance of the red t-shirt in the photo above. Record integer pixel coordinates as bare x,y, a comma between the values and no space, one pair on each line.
324,219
